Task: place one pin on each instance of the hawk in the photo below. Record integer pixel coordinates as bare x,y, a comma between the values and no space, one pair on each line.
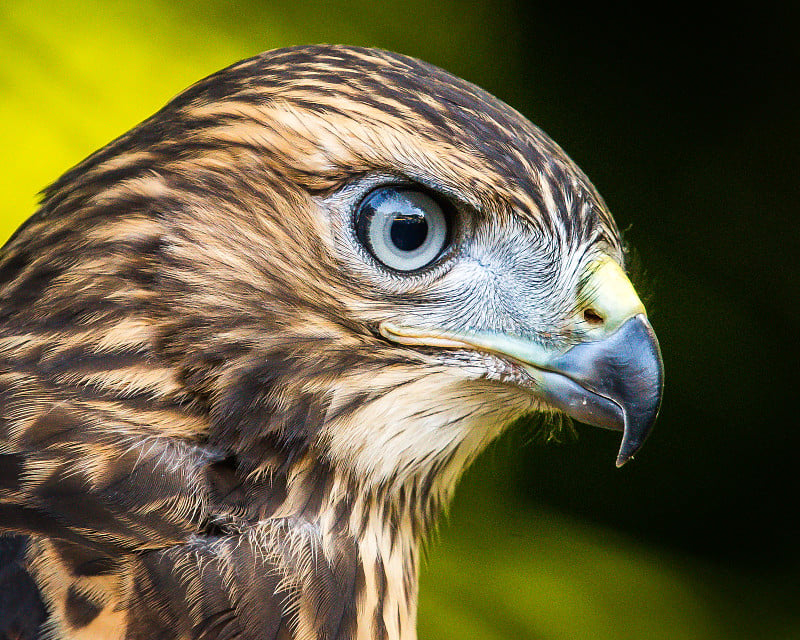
247,349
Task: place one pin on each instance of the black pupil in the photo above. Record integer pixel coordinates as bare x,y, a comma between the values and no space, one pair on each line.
409,231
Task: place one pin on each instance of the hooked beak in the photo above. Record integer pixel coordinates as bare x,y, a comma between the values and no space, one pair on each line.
614,383
614,379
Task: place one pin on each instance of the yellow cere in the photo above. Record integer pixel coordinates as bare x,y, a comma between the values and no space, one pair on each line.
611,294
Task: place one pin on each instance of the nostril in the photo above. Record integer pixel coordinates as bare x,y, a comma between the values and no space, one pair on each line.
591,317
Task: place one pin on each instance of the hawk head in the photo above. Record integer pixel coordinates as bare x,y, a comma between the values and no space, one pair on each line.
320,256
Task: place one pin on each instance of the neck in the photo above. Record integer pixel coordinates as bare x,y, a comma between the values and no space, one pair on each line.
368,524
368,537
341,516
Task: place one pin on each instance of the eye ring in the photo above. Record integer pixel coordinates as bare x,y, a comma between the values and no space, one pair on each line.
404,228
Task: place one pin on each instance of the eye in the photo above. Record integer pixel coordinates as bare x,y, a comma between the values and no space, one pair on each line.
403,228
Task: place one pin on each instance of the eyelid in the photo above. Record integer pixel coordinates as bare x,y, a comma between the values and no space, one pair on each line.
452,207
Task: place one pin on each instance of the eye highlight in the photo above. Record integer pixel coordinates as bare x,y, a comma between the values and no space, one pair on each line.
403,228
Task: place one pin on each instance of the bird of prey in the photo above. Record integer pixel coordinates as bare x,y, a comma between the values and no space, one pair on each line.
247,349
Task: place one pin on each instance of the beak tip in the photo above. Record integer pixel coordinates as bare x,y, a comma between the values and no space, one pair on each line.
623,459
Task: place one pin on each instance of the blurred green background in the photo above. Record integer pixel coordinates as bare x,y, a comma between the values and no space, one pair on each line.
688,124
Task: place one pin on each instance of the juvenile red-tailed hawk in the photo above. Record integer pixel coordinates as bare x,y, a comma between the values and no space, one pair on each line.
247,349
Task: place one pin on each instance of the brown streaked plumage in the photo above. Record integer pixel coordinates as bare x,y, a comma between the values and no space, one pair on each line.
221,416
